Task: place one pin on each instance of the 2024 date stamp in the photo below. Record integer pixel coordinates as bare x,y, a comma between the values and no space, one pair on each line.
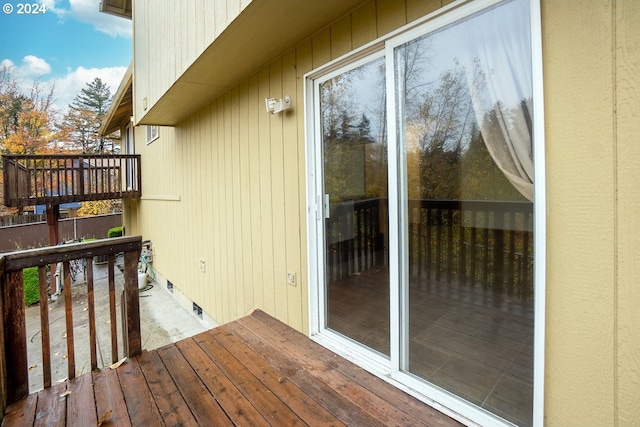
24,8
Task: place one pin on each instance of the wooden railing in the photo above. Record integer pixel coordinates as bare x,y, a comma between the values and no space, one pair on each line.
14,370
475,243
54,179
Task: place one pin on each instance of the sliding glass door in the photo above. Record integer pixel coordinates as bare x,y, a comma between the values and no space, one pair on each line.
354,152
423,184
463,96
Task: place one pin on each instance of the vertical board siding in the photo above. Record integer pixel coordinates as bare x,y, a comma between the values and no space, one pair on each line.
362,32
277,194
303,65
341,37
580,341
266,230
158,25
239,172
627,65
246,251
254,113
294,224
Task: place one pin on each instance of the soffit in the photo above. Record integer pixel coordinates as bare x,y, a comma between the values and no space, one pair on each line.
121,107
120,8
264,30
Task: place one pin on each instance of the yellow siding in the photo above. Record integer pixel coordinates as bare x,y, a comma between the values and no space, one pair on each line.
627,79
591,94
159,28
228,186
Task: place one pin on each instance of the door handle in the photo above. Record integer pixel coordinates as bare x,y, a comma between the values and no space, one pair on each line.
325,206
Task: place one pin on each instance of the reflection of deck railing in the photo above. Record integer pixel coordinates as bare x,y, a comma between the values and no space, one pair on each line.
477,243
54,179
14,368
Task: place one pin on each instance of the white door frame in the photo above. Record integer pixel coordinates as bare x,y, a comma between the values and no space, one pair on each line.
388,369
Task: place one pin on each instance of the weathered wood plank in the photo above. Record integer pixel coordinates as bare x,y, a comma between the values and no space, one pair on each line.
81,406
21,413
112,309
51,409
15,337
68,309
92,316
310,411
343,409
3,355
17,261
141,406
272,408
132,304
44,327
201,402
171,404
110,405
255,371
367,391
232,401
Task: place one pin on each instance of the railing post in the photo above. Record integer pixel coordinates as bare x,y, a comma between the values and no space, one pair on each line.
81,175
15,338
3,353
131,318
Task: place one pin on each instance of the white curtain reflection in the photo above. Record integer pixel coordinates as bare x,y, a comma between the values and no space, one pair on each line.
497,62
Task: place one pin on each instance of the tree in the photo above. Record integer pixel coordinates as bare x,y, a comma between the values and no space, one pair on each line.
81,123
26,121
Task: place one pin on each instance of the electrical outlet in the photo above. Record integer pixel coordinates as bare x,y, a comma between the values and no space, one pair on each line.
291,278
203,266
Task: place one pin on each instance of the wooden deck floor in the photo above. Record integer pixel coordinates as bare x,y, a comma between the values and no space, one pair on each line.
252,372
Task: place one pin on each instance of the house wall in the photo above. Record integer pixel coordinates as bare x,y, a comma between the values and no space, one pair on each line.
161,28
592,91
227,186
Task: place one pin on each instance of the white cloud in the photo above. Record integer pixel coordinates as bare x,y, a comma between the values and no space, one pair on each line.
33,71
50,5
67,87
31,68
34,66
87,11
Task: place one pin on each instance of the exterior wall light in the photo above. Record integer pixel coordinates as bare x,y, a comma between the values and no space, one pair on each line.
274,105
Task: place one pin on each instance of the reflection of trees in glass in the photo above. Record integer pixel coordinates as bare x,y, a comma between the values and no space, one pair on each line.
446,155
352,106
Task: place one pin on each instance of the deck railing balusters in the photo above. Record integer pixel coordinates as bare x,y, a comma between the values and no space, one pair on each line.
54,179
14,376
482,243
112,308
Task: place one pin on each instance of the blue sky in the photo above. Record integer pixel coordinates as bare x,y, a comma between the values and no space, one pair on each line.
68,45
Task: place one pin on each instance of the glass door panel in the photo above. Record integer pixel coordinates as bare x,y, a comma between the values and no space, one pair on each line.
464,97
354,151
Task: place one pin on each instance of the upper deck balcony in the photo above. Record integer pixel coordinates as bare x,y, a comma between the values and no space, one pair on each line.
62,178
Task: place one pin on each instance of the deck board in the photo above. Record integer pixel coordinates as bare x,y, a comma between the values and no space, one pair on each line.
254,371
170,401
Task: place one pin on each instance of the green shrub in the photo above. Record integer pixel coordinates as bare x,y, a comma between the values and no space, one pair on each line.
31,287
115,232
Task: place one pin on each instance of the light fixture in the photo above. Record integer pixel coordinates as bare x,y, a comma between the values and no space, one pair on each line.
274,105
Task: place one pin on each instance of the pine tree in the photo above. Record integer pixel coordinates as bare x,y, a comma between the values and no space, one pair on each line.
82,122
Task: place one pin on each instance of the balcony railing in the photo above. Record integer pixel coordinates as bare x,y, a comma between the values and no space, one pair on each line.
475,243
55,179
14,369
